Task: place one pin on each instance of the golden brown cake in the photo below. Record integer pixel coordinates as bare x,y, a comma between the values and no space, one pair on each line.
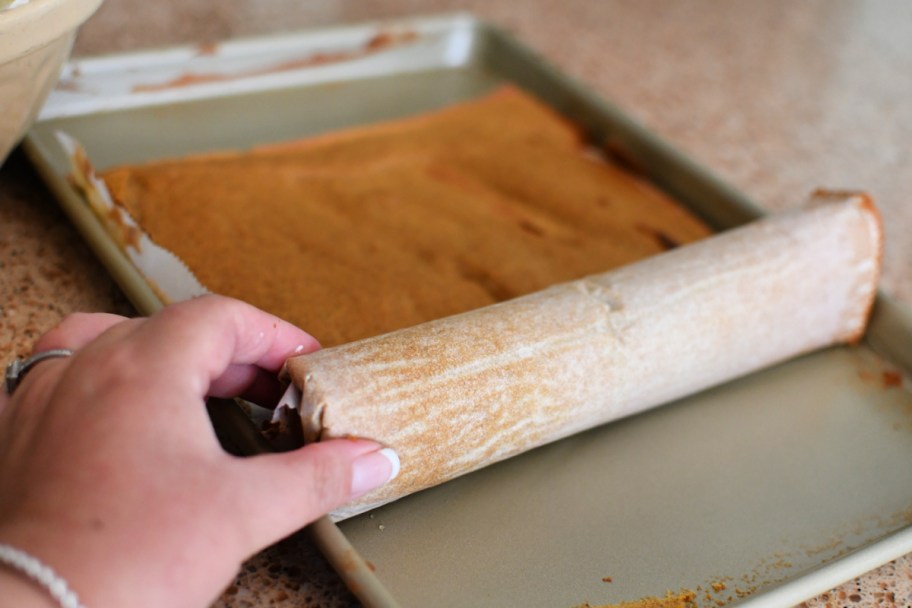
372,229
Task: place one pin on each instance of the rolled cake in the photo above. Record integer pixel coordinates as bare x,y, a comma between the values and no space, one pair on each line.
459,393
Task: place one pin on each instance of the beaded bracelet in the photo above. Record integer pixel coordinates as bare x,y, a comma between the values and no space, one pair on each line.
44,575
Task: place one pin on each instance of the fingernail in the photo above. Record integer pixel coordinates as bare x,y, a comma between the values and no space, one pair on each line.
373,470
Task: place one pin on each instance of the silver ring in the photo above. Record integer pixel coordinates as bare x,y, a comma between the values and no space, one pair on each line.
19,367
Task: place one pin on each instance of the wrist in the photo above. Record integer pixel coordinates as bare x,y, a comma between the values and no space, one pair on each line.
97,565
32,569
17,589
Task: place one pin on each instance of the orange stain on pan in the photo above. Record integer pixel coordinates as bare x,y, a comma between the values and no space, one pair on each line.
376,43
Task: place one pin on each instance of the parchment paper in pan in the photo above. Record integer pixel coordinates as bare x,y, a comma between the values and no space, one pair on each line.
165,273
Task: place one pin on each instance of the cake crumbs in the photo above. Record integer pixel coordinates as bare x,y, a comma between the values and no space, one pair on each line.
891,379
685,598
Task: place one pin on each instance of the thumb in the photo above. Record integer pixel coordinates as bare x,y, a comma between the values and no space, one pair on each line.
281,493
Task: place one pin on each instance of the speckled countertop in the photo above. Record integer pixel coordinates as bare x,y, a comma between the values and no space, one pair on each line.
778,97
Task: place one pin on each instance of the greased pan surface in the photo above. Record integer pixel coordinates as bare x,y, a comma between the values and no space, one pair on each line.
762,492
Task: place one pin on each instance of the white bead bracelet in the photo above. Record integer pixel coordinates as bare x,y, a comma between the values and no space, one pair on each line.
42,574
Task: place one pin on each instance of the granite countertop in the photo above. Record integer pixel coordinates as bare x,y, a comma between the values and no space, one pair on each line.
778,97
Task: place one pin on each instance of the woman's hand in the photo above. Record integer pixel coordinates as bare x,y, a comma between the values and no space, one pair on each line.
110,472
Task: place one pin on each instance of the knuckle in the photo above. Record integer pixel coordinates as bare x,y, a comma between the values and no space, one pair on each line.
103,370
59,332
77,329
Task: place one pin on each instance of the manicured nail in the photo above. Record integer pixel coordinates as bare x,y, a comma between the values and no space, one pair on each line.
372,470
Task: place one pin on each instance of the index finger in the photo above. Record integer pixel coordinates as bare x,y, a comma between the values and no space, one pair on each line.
196,342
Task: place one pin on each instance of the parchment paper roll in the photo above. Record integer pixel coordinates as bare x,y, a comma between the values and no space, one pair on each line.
460,393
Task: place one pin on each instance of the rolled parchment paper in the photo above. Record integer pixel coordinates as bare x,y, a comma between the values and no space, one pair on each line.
460,393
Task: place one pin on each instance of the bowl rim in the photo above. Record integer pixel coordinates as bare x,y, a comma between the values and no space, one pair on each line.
39,22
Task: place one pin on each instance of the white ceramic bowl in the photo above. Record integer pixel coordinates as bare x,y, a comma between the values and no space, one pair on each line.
35,40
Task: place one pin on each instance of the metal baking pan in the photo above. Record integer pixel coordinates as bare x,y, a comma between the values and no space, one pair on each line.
763,492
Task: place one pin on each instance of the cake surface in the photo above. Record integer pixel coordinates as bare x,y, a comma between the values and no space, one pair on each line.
365,231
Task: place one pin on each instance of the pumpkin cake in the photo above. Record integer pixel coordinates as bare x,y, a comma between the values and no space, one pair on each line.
376,228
